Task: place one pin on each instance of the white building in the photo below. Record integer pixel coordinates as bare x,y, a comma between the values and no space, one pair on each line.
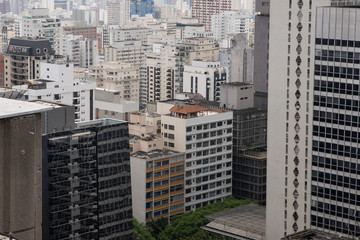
118,12
36,22
205,78
160,68
290,115
119,76
230,22
205,135
57,84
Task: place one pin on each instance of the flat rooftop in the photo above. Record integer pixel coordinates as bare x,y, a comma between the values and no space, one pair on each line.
13,108
154,154
314,234
247,221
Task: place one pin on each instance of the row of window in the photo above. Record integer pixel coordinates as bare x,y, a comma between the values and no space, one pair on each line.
208,134
336,195
337,134
336,164
337,118
337,56
207,143
336,87
337,149
337,72
336,103
336,180
337,42
206,126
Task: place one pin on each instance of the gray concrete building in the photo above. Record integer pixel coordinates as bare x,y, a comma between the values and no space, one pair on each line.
20,168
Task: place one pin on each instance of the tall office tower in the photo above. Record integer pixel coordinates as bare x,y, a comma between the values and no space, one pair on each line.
205,135
261,52
86,182
22,62
20,167
5,6
291,82
202,10
335,186
18,6
36,22
119,12
141,7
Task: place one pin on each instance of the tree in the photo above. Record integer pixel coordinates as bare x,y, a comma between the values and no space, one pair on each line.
140,232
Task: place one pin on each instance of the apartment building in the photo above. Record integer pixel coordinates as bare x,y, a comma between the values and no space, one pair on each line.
141,7
123,77
205,78
157,179
57,84
230,22
22,62
205,136
204,9
36,22
160,67
118,12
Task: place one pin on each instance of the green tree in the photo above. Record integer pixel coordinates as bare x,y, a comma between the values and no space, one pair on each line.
158,226
140,232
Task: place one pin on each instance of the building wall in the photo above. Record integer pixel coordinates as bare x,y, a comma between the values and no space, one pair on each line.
286,124
138,188
20,178
237,96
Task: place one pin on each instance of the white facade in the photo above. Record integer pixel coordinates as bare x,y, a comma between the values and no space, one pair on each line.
230,22
118,12
206,140
37,23
57,84
205,78
237,95
290,116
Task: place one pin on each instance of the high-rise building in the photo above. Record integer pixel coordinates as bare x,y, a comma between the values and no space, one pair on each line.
22,62
86,182
204,9
119,12
290,116
205,78
57,84
335,165
20,166
230,22
261,52
36,22
141,7
205,135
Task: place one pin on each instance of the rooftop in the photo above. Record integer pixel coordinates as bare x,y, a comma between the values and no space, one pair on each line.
314,234
13,108
247,221
154,154
186,109
237,84
28,46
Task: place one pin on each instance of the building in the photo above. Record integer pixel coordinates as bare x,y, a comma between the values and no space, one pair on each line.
108,104
160,68
204,9
261,52
119,12
20,164
230,22
86,182
205,136
205,78
190,49
141,7
36,22
22,62
57,84
158,184
236,95
88,32
122,77
334,154
2,71
145,132
291,79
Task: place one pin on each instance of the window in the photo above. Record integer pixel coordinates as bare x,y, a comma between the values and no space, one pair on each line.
171,127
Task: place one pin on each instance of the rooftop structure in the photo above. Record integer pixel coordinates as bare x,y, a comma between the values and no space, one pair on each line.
244,222
314,234
12,108
28,46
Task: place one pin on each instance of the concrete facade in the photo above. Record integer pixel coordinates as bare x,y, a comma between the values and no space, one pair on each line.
236,95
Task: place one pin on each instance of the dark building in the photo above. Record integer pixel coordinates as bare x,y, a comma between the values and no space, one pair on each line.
86,182
261,52
249,154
